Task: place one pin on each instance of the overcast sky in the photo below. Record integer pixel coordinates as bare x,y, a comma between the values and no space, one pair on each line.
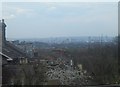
40,20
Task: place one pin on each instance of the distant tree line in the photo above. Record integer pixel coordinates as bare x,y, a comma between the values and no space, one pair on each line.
100,60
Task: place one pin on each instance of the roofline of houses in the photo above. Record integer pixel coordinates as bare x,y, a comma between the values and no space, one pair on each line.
9,58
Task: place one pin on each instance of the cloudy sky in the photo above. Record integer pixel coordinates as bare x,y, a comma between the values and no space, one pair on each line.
60,19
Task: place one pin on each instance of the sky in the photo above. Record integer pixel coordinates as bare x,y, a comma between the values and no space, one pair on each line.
60,19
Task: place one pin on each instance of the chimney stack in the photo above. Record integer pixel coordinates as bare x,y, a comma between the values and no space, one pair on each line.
3,31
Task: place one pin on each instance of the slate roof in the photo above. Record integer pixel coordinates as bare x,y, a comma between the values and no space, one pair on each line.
12,51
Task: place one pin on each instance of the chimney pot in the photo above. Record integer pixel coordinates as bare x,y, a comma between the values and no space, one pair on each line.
2,20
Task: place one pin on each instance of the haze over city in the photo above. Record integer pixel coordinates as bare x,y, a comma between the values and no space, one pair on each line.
43,20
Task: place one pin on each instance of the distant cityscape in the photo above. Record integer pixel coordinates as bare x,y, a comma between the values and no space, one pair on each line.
60,40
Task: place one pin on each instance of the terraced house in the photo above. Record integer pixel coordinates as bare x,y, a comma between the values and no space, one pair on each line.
11,56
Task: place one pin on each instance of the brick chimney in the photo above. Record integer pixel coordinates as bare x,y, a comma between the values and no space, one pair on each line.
2,30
